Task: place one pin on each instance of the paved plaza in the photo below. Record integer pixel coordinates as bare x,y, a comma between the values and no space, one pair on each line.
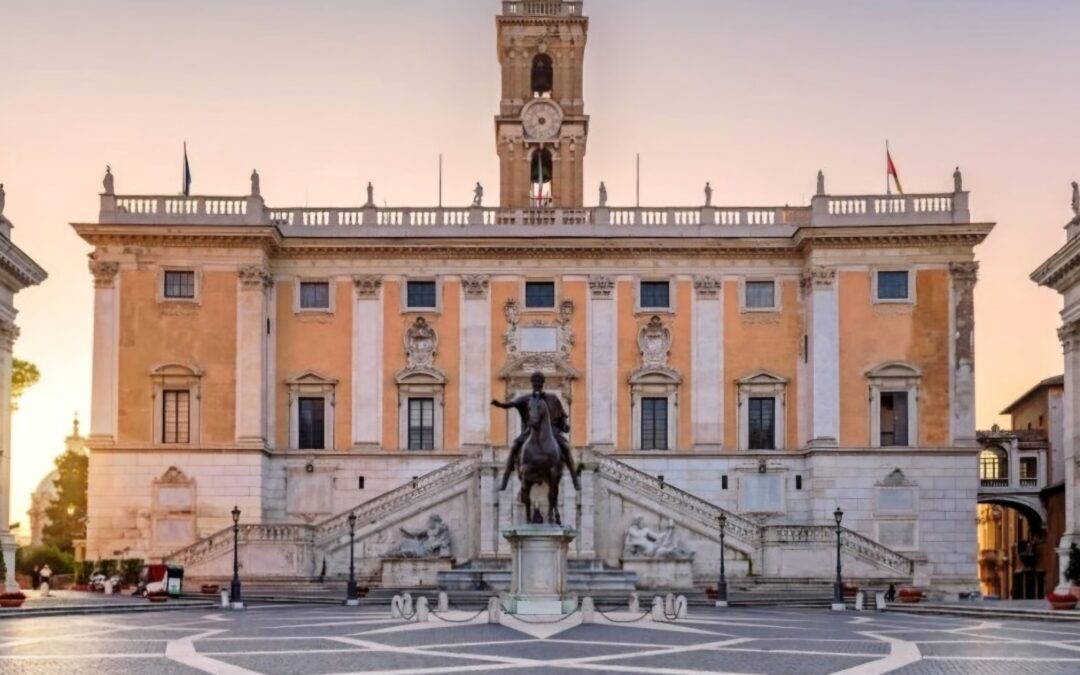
304,639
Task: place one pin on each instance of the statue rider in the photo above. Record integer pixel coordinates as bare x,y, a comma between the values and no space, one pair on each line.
560,426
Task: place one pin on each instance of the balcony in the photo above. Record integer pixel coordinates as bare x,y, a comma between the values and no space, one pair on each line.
525,8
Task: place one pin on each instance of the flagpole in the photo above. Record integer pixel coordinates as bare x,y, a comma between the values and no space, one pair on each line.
638,190
440,180
888,158
183,173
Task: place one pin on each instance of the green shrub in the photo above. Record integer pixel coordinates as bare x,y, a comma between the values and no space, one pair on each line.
107,567
129,570
83,570
27,557
1072,571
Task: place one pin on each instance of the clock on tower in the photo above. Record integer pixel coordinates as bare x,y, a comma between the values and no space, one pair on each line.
542,128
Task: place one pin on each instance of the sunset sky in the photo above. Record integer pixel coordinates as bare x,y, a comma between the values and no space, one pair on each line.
324,95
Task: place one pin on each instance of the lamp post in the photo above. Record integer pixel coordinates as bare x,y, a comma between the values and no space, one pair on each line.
351,598
721,585
838,586
234,589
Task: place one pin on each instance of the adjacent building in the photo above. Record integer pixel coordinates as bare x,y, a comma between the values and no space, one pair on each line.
768,363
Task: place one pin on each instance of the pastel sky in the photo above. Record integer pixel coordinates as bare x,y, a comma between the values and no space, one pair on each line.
323,95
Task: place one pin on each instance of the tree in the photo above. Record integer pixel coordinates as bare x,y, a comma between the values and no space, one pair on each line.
23,376
67,511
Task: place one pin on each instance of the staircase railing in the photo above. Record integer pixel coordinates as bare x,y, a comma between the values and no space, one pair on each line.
682,501
851,541
222,541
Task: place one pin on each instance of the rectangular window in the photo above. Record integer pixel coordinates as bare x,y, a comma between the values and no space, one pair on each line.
421,295
421,424
798,482
1029,468
762,421
892,286
539,295
314,295
654,421
894,419
723,482
176,417
655,295
312,423
180,285
760,295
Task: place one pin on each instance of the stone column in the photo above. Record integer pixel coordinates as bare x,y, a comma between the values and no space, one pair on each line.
367,362
708,360
475,380
9,332
964,275
255,282
1070,341
823,347
601,350
489,507
105,388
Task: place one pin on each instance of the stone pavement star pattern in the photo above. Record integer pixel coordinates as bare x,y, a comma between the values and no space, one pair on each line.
287,640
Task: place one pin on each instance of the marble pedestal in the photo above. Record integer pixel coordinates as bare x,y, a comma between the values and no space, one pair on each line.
7,549
413,572
656,574
538,570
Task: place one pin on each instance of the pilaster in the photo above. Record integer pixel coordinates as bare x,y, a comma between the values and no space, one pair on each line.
105,388
367,362
823,355
708,364
475,367
962,310
9,332
254,284
1069,334
602,354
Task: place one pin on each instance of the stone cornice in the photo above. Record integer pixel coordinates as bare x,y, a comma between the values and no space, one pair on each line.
1062,269
18,266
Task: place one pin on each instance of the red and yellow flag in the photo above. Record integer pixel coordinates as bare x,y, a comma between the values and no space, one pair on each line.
892,172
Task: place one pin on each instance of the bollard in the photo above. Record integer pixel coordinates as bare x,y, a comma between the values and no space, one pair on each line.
395,607
494,610
444,602
669,604
44,589
635,603
860,599
588,611
879,601
406,604
108,588
681,607
421,610
224,599
658,609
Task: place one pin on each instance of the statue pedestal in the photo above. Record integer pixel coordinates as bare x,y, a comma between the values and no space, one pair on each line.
538,570
413,572
659,574
7,549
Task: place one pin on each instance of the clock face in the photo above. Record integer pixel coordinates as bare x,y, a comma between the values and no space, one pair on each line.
542,120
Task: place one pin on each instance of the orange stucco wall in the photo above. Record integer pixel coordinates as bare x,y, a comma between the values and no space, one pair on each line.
319,342
501,291
872,334
755,341
153,334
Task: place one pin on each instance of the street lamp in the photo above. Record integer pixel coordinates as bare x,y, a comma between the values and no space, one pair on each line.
351,598
234,589
721,586
838,586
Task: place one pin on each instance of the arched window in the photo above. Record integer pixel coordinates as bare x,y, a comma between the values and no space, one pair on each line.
543,76
993,464
542,166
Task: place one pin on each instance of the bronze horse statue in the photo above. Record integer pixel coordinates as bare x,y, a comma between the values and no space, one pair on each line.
541,462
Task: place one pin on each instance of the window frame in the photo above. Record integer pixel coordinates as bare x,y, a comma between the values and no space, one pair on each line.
311,384
175,394
406,307
162,275
641,308
175,376
890,377
762,384
644,402
553,307
744,291
750,422
298,296
409,423
315,431
875,293
893,393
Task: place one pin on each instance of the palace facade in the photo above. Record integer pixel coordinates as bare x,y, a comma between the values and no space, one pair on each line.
766,363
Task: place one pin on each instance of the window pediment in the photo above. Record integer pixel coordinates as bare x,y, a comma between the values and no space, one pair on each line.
762,377
655,375
421,375
310,377
176,370
894,370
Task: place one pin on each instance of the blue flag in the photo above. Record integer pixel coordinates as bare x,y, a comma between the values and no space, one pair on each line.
187,174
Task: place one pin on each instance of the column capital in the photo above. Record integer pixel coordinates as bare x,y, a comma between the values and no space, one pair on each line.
475,285
255,277
104,272
601,285
1069,334
817,277
9,333
707,287
367,285
964,274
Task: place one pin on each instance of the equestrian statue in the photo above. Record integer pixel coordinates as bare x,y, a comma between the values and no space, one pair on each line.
541,450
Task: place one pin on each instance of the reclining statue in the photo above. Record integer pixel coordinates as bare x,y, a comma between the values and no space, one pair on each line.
434,542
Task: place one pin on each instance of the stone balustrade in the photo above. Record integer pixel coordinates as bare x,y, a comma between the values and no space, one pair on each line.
851,542
371,221
524,8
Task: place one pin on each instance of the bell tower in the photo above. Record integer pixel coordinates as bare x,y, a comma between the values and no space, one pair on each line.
542,128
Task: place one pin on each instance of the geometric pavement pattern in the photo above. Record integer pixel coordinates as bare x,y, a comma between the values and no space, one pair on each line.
300,640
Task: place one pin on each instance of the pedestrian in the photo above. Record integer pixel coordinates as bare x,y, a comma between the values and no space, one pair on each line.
890,595
46,580
36,578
